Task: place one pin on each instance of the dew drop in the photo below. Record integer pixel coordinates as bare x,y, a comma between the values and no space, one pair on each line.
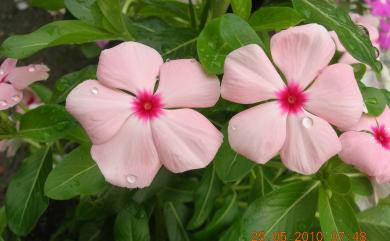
131,179
3,103
15,98
2,72
94,91
234,128
307,122
31,69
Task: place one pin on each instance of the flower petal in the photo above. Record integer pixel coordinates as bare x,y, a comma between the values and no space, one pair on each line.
258,133
310,142
9,96
130,158
100,110
183,83
301,52
335,96
129,66
361,150
185,140
249,76
21,77
7,65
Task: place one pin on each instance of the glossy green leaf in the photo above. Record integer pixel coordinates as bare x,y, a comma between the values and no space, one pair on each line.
69,81
3,220
374,99
336,215
77,174
48,4
362,186
359,71
112,12
231,166
43,92
339,183
53,34
222,218
205,195
86,10
242,8
220,37
7,127
46,123
274,18
132,224
353,38
288,209
175,216
375,222
25,200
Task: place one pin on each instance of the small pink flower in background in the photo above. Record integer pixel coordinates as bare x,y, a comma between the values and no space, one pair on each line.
367,146
14,79
295,119
379,7
384,34
135,134
102,43
367,21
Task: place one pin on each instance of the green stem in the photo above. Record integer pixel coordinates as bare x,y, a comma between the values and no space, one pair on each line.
192,14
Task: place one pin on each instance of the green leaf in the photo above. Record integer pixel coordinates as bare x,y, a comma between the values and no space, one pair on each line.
7,127
43,92
274,18
242,8
231,166
76,175
362,186
48,4
69,81
339,183
46,123
3,220
112,11
222,218
25,200
53,34
86,10
374,99
359,71
353,38
220,37
175,216
289,209
375,222
205,196
132,224
336,215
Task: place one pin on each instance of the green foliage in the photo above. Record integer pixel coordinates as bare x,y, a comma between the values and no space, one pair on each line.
374,100
242,8
48,4
274,18
375,222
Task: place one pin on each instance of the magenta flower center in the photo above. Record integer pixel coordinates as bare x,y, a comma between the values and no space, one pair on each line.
381,135
147,105
292,98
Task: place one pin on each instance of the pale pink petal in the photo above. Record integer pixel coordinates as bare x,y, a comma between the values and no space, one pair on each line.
129,66
346,58
259,132
339,45
9,96
185,140
385,116
361,150
384,175
21,77
249,76
366,122
301,52
100,110
310,142
130,158
335,96
6,67
183,83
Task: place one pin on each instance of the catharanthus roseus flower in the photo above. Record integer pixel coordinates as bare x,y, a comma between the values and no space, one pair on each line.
370,23
367,146
384,34
295,119
14,79
379,7
134,134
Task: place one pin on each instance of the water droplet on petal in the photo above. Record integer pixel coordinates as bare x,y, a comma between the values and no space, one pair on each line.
2,72
234,128
31,69
15,98
3,103
131,179
307,122
94,91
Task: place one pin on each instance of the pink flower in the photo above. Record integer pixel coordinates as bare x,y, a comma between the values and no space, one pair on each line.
102,43
294,119
134,134
367,21
367,146
379,7
384,34
14,79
